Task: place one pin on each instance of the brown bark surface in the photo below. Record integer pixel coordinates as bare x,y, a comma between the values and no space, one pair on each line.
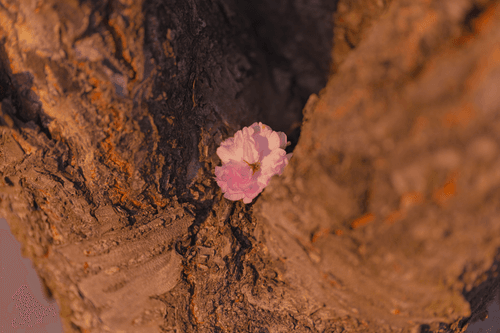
392,193
385,220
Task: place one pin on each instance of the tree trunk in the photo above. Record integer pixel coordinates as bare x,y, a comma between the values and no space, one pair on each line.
385,220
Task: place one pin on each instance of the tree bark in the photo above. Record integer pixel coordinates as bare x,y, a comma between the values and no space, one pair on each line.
385,220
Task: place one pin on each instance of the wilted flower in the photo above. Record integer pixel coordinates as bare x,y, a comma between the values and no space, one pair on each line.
249,160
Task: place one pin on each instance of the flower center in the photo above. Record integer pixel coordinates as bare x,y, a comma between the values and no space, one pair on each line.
255,166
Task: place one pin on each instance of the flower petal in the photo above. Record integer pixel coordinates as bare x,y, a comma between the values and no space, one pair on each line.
260,127
231,149
249,160
274,140
237,181
283,142
250,152
271,164
234,196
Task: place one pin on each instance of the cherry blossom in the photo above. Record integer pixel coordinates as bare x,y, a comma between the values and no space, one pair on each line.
249,160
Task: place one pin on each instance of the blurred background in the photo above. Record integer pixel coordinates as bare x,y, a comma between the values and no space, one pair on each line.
16,272
491,322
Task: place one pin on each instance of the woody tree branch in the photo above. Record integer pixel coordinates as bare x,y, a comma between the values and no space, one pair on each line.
385,218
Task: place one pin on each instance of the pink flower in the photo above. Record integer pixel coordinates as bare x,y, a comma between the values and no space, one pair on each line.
249,160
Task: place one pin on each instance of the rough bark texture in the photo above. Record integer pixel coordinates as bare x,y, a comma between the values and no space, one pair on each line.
386,219
393,190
